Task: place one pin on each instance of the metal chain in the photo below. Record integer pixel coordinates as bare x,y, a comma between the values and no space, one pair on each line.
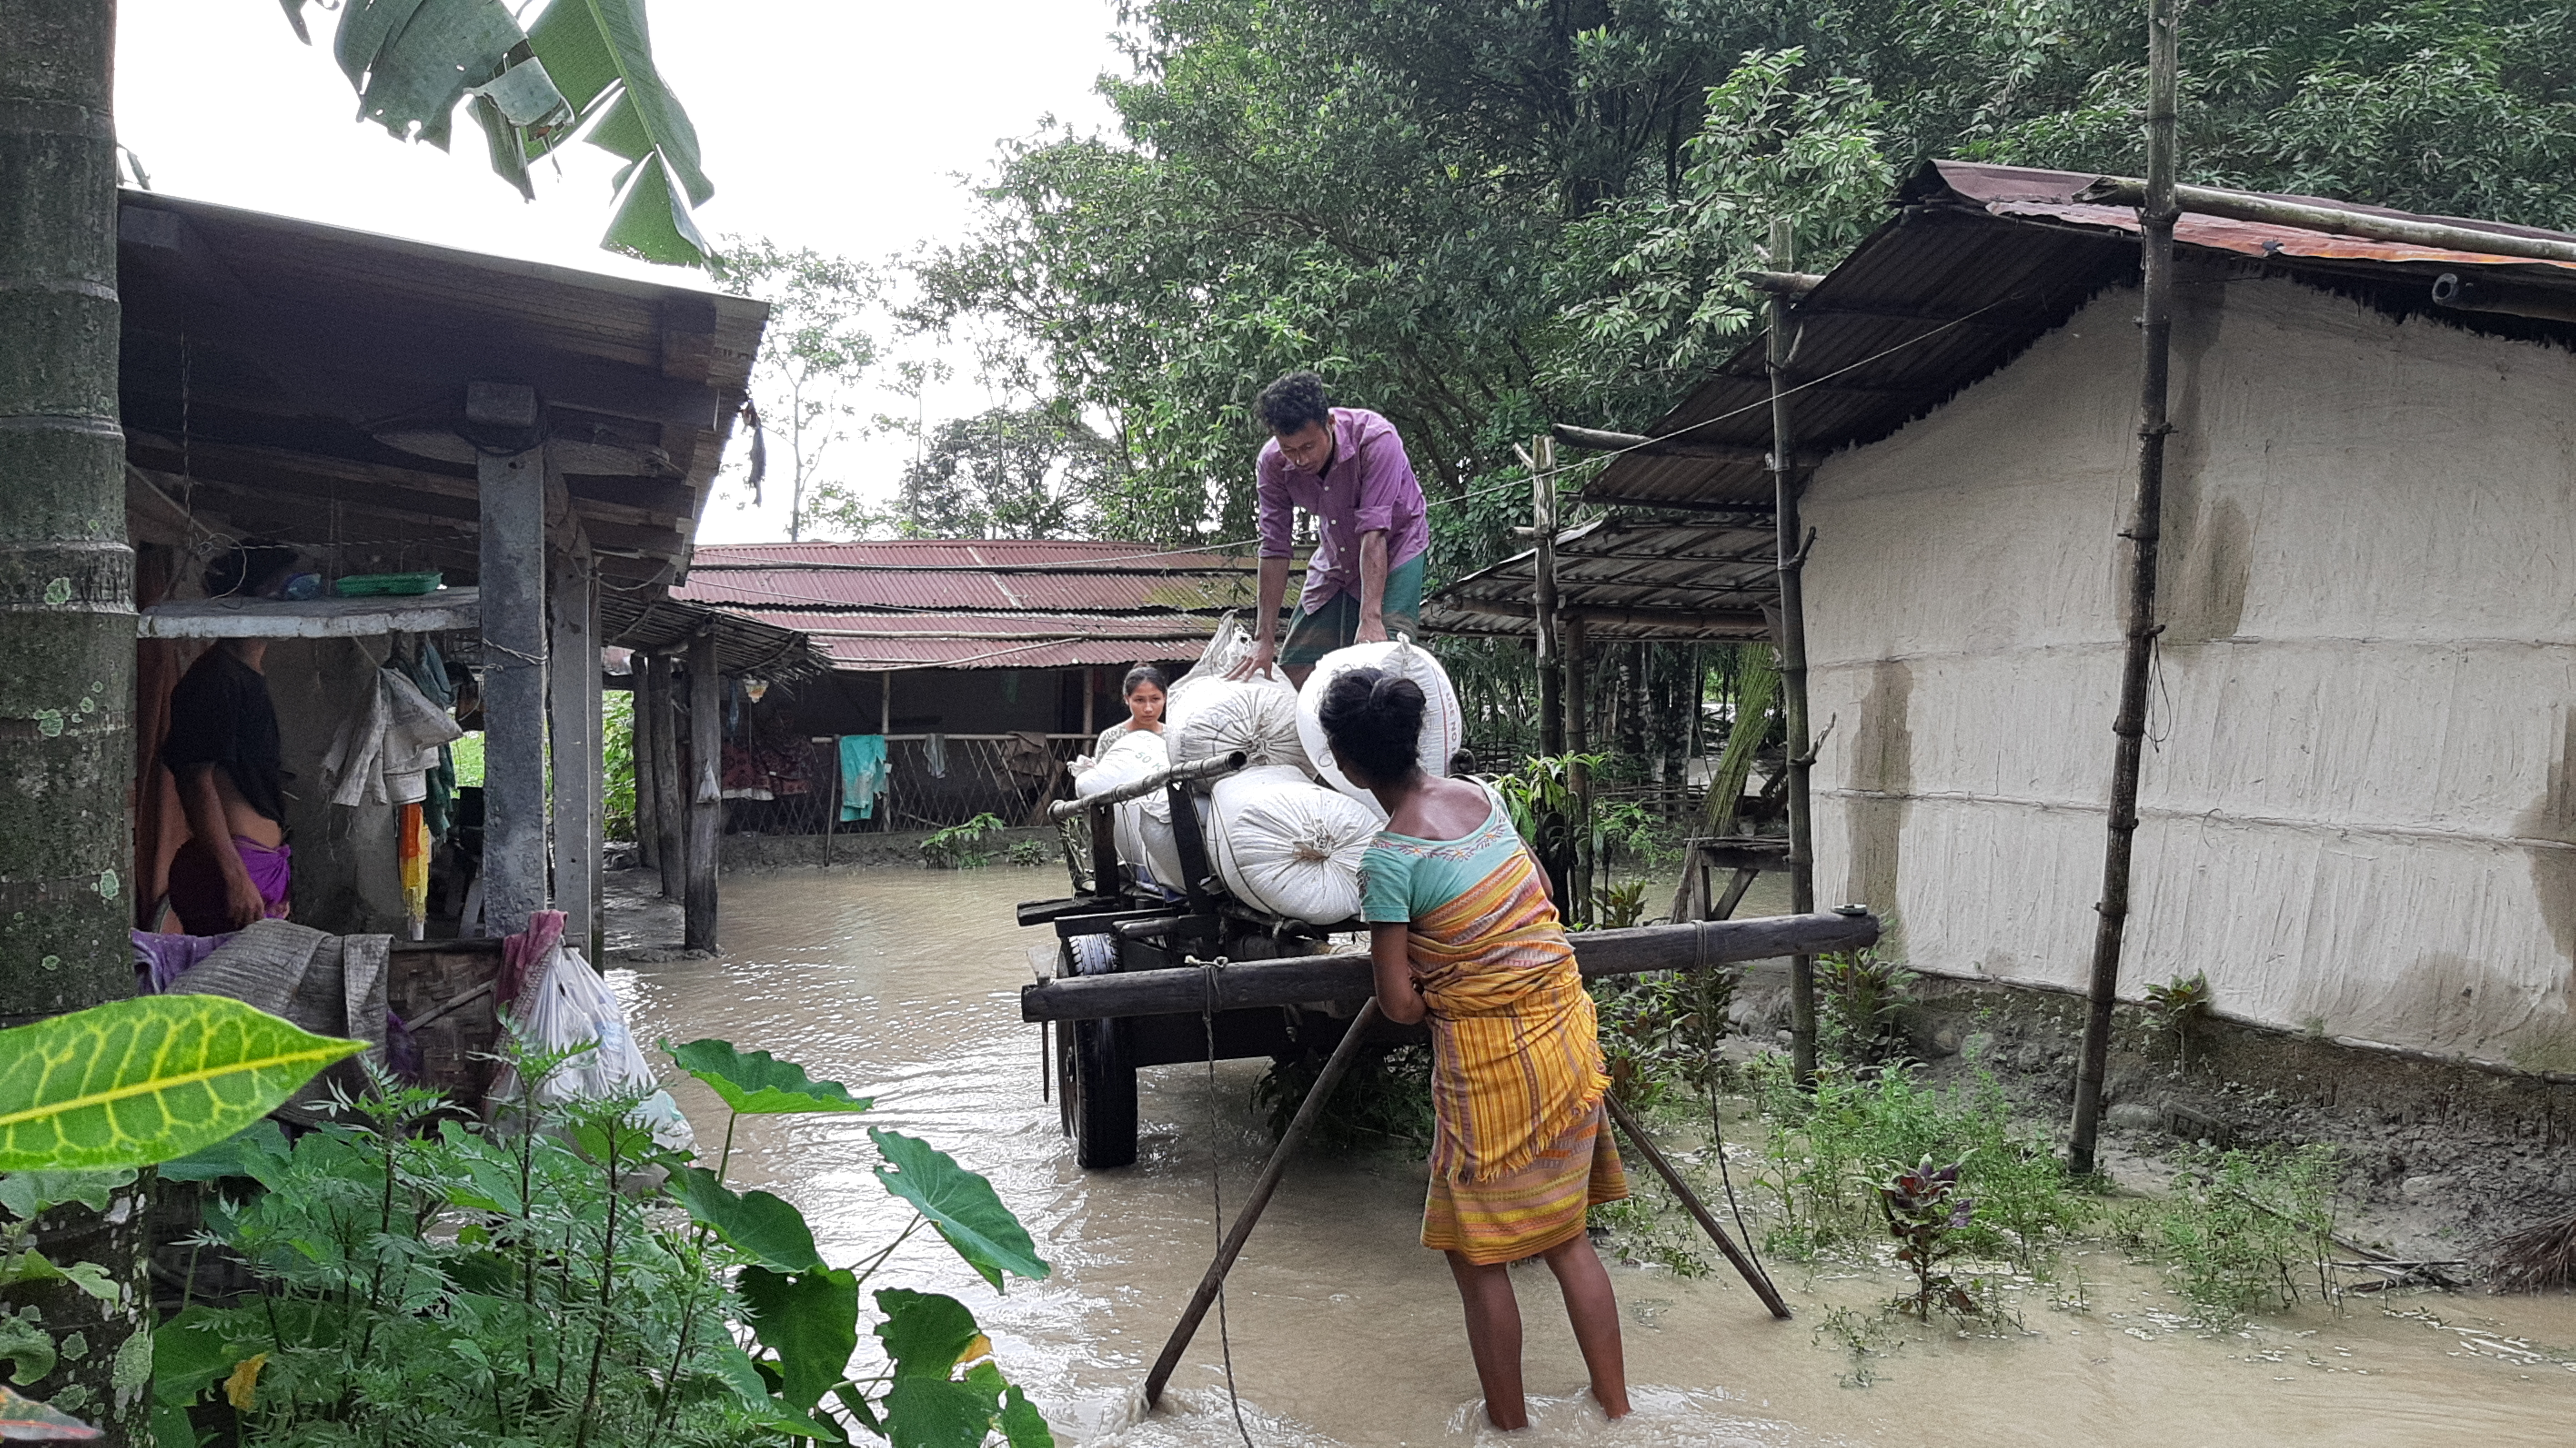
1216,1186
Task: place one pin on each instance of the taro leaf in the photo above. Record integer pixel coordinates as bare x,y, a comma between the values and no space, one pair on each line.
24,1420
924,1332
756,1083
743,1375
961,1205
928,1412
139,1081
188,1354
811,1320
258,1152
757,1223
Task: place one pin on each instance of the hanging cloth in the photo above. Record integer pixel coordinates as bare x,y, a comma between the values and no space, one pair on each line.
428,673
934,754
864,775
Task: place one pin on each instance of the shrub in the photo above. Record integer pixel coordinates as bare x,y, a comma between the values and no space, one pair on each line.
2243,1231
962,847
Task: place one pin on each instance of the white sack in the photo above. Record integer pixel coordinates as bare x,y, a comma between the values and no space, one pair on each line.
1136,753
1443,725
1289,846
1231,644
1220,716
1161,844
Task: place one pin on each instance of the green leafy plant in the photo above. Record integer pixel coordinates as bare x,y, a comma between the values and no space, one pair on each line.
1029,853
1863,993
570,1283
1925,1213
617,764
1385,1098
2178,1003
962,847
2243,1231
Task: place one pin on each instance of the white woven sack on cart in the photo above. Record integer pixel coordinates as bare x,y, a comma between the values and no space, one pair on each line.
1162,846
1443,725
1290,846
1220,716
1136,754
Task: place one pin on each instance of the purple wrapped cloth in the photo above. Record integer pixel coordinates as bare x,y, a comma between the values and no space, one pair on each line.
159,959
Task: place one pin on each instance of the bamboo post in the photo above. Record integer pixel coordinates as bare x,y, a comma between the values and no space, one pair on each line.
706,792
2138,620
1699,1211
1793,658
648,818
1201,1300
885,730
1540,457
1578,777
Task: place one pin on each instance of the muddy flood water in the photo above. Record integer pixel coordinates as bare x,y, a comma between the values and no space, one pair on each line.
904,984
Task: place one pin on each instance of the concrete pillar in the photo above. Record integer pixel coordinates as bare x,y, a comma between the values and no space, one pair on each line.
572,700
513,496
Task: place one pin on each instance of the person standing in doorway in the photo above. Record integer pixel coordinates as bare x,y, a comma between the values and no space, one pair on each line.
1347,466
223,750
1463,935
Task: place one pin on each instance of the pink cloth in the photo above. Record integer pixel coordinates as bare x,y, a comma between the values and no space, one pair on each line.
523,952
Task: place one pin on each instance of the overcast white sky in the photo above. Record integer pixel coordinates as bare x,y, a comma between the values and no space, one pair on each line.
841,125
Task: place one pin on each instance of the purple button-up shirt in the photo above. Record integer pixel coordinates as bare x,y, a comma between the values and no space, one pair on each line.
1368,487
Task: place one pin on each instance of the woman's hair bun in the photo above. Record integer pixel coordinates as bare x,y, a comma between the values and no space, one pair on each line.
1373,718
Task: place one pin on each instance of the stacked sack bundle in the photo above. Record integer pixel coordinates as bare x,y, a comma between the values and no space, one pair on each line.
1278,840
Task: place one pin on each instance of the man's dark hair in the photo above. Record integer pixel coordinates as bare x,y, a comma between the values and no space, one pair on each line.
246,567
1287,405
1373,719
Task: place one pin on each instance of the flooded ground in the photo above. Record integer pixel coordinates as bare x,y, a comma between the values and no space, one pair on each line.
904,984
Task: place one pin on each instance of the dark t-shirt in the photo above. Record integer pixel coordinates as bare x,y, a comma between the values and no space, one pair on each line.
221,714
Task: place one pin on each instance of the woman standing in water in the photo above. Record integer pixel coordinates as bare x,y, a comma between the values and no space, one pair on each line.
1463,934
1143,690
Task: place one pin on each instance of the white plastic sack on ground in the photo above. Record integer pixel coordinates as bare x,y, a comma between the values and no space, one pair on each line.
1443,725
1219,716
1290,846
1160,843
570,1006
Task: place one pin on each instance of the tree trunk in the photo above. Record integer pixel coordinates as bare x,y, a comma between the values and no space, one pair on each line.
66,631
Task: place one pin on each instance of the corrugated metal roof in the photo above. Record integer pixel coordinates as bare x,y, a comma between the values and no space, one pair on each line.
874,641
1627,580
1006,575
744,645
1979,262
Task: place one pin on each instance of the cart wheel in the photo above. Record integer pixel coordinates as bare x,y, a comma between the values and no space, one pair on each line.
1100,1080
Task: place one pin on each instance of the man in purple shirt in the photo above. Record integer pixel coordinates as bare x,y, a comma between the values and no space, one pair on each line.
1346,466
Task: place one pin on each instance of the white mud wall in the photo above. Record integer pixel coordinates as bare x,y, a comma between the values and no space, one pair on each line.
2359,804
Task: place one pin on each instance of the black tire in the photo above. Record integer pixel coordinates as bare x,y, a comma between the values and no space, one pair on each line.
1099,1075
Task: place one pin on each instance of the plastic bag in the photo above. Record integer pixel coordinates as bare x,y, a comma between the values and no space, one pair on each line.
1443,724
570,1006
1290,846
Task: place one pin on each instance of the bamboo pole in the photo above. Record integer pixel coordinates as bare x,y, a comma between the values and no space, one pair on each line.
1699,1211
1578,778
1338,1064
1793,659
2138,623
1541,459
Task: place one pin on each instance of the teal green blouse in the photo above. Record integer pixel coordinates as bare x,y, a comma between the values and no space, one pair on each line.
1403,877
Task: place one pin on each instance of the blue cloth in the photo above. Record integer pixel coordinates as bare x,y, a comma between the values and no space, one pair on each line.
863,775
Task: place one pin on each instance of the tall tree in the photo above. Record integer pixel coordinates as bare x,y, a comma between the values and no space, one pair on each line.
1003,473
815,351
583,72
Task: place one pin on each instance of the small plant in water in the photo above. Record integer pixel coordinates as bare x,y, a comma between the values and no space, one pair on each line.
1028,854
1924,1213
1862,992
962,847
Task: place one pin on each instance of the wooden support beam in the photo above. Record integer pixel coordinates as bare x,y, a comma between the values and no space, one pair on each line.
1751,510
513,582
2332,220
671,811
1578,741
594,701
706,791
1789,284
1694,945
1661,447
572,715
646,698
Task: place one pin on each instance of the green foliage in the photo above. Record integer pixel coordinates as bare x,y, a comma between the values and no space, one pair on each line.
962,847
1384,1099
1757,692
1005,473
1665,1027
1616,907
583,70
2243,1231
467,1285
755,1083
1863,994
1925,1212
1828,1150
813,354
960,1205
2176,1004
467,753
1029,853
138,1081
617,764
